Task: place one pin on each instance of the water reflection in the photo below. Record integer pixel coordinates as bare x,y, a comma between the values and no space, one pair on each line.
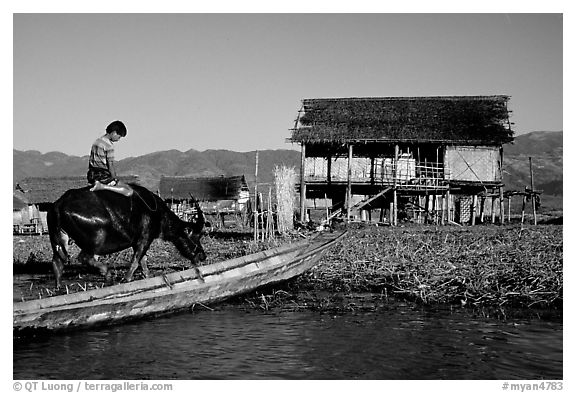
234,344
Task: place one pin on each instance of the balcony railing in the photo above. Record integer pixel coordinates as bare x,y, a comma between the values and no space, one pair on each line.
403,173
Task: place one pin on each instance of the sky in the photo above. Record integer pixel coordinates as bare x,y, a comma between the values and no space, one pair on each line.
236,81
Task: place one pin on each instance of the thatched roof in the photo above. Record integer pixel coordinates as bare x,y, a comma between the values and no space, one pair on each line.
202,188
47,189
479,120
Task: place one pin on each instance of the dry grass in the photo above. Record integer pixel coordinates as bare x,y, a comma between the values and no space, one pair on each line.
480,266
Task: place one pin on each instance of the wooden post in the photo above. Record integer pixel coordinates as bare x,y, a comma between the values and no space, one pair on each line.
442,216
270,216
329,170
372,171
426,205
502,216
303,184
326,207
395,208
434,208
438,201
523,205
261,215
349,186
509,203
493,210
532,191
395,194
256,200
419,212
444,204
329,184
449,204
474,201
482,208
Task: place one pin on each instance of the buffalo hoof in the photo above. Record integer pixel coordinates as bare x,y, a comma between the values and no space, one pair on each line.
127,279
200,276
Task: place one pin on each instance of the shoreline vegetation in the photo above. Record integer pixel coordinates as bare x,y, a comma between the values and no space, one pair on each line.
494,270
497,270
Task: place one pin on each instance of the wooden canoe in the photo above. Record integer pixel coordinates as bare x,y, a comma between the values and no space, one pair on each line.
171,292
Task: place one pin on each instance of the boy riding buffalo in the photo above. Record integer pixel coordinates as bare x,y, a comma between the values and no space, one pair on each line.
101,166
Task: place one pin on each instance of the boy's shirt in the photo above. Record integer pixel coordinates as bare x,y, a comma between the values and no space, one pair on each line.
102,151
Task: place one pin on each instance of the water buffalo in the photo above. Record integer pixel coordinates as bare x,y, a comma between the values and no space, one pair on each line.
104,222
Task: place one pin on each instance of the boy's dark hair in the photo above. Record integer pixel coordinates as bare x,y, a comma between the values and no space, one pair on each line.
117,126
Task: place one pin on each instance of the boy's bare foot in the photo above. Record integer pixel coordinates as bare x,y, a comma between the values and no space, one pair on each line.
124,190
97,186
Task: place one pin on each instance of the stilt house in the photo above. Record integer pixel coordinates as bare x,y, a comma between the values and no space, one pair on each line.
217,196
424,159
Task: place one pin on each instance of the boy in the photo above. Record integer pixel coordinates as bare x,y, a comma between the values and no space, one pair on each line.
101,168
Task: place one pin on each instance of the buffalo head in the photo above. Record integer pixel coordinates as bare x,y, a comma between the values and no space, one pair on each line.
186,235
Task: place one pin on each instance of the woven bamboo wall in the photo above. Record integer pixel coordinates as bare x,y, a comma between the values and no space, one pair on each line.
464,209
470,163
317,169
384,169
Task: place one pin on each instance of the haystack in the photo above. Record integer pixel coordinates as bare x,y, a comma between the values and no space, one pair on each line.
285,182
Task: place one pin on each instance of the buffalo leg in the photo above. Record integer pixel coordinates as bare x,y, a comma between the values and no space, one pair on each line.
92,260
59,247
139,258
58,267
144,265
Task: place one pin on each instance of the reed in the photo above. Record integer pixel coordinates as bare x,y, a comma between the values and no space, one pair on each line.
483,266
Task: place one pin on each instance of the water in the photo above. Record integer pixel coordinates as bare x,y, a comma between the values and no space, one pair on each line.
400,343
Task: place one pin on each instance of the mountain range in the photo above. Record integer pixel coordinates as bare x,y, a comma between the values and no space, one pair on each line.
544,147
150,167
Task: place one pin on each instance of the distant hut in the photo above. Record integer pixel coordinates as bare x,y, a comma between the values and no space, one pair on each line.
428,159
22,215
218,196
40,192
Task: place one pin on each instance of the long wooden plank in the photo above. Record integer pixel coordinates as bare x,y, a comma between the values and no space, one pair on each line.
361,204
